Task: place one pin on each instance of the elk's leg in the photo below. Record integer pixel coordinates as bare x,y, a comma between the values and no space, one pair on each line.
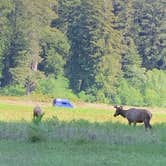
34,115
134,124
149,125
129,123
146,125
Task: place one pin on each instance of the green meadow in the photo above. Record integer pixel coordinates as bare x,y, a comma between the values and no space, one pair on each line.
86,135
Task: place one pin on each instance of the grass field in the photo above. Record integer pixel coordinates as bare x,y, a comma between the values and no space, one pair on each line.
86,135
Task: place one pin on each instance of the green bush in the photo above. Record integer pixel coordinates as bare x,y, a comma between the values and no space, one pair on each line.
152,92
154,88
151,97
12,90
128,95
37,132
55,88
100,97
86,97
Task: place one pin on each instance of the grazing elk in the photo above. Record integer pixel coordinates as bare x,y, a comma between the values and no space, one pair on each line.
135,115
37,112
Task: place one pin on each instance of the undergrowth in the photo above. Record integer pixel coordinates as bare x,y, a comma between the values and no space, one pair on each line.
82,131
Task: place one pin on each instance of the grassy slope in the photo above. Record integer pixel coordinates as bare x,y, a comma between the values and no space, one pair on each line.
71,143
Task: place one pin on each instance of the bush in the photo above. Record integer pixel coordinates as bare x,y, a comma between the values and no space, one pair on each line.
12,90
151,98
154,88
37,132
86,97
100,97
128,95
55,88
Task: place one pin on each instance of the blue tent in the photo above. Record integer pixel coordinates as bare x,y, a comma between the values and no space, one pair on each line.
62,103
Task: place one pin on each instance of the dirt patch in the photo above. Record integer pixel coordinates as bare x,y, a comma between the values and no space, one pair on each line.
16,101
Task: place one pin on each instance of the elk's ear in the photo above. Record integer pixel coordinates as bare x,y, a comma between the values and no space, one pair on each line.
121,107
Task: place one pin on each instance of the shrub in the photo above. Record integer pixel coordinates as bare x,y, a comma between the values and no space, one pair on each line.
12,90
154,88
55,88
37,131
86,97
128,95
151,97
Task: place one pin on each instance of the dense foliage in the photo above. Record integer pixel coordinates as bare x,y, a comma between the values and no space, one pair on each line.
111,51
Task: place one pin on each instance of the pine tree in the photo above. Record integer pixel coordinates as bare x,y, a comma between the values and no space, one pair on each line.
109,66
93,39
6,7
27,24
16,42
149,29
131,60
55,52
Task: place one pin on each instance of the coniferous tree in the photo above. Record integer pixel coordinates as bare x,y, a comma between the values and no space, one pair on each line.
55,52
27,24
110,42
93,39
149,32
131,60
6,7
16,42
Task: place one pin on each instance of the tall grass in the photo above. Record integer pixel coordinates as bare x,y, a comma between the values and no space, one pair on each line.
82,131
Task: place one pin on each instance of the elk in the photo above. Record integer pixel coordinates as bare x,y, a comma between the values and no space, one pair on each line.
135,115
37,112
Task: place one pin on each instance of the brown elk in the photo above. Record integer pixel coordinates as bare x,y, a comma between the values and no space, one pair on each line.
135,115
37,112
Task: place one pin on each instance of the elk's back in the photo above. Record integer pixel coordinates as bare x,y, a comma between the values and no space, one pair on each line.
138,115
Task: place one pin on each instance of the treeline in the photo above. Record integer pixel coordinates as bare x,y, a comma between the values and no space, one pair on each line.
111,51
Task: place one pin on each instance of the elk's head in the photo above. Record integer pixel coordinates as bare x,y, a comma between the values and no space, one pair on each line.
118,110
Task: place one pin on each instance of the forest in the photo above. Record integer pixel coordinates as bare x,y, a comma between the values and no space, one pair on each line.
108,51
